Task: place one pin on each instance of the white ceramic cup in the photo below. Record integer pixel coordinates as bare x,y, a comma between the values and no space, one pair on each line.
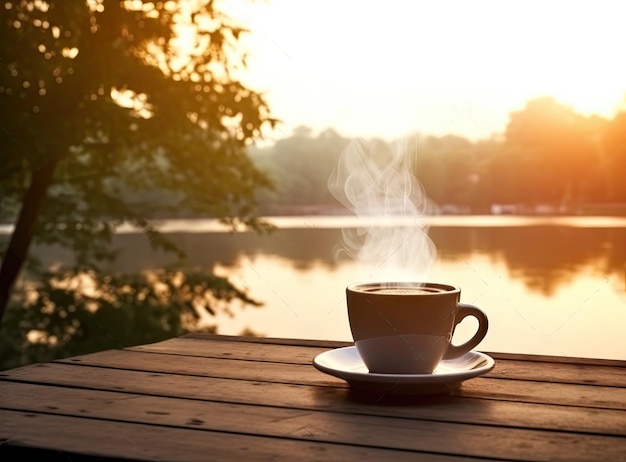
407,327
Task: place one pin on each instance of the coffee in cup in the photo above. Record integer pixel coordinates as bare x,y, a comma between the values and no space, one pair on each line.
407,327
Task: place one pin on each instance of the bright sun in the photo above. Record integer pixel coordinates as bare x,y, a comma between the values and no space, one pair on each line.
451,66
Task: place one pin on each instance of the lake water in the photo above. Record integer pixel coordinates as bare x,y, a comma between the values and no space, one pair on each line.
549,285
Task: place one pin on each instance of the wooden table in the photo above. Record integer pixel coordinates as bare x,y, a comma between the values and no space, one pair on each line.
205,397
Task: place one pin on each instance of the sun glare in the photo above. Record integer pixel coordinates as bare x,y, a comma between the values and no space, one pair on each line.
138,102
368,68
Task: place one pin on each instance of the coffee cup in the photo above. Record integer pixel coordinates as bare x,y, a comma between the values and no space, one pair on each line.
407,327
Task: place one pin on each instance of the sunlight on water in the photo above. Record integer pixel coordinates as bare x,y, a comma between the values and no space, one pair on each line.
568,309
340,221
330,222
584,318
350,221
549,285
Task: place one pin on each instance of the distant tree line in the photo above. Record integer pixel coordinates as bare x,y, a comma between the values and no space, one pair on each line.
549,158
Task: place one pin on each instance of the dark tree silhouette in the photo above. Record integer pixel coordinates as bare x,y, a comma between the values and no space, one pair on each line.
101,102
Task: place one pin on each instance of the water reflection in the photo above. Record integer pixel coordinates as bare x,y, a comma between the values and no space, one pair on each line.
548,289
63,314
543,257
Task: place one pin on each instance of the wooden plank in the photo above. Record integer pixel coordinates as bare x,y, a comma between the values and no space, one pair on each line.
328,427
612,376
509,369
526,414
494,415
543,392
233,350
507,411
206,367
329,344
300,374
559,359
271,340
92,437
508,390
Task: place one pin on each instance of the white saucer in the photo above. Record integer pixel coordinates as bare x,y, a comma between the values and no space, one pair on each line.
346,364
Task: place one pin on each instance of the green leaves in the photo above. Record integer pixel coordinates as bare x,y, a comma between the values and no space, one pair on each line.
135,109
78,64
71,313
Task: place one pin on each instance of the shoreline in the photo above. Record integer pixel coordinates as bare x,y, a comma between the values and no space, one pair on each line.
348,220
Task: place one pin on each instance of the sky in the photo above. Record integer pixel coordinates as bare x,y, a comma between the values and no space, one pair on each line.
392,68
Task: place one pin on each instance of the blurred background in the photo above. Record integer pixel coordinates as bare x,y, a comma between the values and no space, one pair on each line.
185,188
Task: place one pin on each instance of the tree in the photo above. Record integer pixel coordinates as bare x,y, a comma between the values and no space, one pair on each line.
58,318
447,168
102,100
559,149
300,166
614,141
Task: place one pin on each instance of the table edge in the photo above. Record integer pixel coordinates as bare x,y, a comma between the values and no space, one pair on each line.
338,344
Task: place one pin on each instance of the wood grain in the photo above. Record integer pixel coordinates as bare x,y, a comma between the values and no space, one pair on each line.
494,411
300,424
113,439
203,397
554,372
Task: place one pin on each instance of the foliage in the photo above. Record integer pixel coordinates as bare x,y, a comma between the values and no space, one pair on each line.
299,167
558,150
613,161
104,105
549,156
103,91
65,314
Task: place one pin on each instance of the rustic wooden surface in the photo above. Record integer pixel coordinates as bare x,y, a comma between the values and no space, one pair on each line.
206,397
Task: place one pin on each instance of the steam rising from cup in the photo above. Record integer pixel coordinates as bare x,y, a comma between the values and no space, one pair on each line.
375,179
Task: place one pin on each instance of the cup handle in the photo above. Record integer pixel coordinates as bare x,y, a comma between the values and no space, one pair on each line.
464,310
